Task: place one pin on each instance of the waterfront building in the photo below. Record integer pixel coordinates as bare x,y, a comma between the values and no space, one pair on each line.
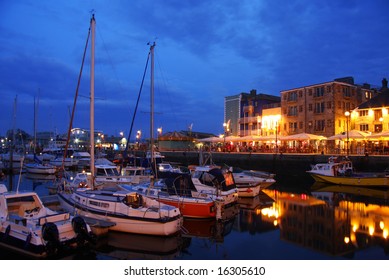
372,117
243,112
320,108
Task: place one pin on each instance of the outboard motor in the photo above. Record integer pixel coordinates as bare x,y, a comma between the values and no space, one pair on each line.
50,234
81,229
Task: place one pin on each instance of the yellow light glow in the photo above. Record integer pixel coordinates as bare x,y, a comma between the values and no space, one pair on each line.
346,239
385,233
371,230
371,113
355,227
275,223
382,225
384,111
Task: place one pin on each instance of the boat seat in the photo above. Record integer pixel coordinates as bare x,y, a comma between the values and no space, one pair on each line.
24,207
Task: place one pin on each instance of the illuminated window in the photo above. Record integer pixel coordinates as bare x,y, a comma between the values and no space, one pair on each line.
364,127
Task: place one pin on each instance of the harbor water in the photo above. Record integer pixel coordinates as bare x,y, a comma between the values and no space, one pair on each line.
295,219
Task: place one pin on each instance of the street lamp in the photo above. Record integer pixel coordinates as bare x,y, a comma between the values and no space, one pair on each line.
347,114
224,135
276,137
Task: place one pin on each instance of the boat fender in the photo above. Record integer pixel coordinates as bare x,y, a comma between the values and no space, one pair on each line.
7,231
28,240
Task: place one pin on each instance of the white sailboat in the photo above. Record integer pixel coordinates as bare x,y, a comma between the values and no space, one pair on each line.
129,211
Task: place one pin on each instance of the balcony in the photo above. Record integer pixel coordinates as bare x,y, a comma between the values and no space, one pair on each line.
248,120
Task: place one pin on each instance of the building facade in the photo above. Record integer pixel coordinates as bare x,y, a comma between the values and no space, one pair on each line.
372,116
243,112
320,108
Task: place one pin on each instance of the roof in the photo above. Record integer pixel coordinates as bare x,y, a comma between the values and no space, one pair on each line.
380,100
175,136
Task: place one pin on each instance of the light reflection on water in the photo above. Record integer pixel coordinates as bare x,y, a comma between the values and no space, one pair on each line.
321,222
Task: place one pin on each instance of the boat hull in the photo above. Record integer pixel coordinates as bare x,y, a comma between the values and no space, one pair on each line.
123,223
194,208
40,169
248,191
352,180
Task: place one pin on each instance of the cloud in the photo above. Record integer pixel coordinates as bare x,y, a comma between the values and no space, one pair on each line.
206,50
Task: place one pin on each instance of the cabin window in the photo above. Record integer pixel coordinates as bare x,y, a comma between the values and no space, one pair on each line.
99,204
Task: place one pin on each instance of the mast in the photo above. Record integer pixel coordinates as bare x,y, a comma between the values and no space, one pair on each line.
92,100
152,162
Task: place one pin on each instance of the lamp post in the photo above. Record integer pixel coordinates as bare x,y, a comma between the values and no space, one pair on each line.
224,136
347,114
276,137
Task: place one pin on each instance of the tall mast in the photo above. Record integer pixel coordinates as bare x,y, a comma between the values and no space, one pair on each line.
152,106
92,100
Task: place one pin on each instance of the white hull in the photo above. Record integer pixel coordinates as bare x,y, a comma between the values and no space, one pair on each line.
29,228
40,169
248,191
146,222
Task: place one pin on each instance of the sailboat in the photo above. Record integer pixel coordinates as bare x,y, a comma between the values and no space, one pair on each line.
127,210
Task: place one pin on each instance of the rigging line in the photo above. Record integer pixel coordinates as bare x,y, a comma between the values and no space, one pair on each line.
74,106
110,61
164,79
136,107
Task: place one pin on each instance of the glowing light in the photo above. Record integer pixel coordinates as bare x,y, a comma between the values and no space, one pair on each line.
371,230
355,227
275,223
382,225
346,239
385,233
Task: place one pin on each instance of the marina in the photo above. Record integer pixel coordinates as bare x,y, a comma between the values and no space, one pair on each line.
294,219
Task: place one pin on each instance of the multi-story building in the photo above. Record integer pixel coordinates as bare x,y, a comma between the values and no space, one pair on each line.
320,108
372,116
243,112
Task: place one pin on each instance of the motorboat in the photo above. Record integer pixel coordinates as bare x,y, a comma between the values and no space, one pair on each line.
250,182
215,181
106,173
40,168
83,158
177,189
167,167
29,228
127,210
339,170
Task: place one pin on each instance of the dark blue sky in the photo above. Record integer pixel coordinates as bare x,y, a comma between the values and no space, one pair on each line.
206,50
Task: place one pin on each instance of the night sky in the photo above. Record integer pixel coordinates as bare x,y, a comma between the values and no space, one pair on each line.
205,50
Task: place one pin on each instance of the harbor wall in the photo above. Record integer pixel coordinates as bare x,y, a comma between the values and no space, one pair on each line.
289,168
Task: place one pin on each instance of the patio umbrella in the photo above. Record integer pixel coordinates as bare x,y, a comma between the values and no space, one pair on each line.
383,135
211,139
352,135
258,138
303,136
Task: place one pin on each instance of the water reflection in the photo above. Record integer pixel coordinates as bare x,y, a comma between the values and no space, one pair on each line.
335,220
316,222
254,216
119,245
